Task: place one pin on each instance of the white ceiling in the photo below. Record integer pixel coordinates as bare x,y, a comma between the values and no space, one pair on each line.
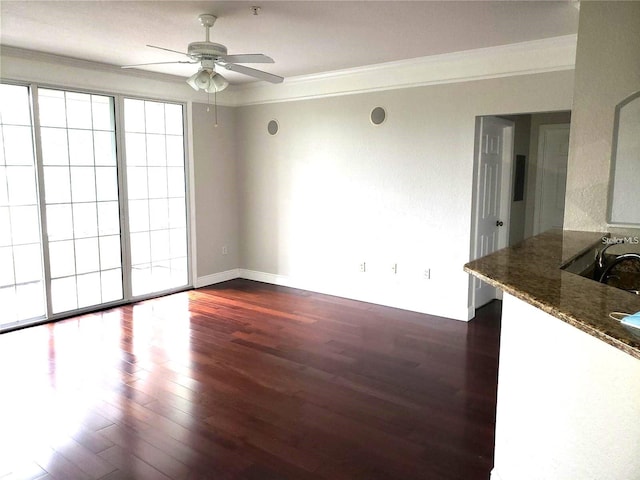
304,37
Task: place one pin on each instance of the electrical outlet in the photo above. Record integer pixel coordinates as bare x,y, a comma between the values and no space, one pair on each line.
225,250
363,267
426,274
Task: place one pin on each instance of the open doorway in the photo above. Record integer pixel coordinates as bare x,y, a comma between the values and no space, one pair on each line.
525,192
540,152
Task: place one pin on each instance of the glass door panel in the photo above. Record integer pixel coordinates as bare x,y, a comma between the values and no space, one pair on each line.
21,273
154,145
81,198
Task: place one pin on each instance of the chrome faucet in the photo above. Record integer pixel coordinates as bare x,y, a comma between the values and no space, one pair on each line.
601,264
619,259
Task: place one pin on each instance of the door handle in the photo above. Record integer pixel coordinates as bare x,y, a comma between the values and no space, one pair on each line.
499,223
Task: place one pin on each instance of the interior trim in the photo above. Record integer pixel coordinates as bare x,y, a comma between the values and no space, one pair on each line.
538,56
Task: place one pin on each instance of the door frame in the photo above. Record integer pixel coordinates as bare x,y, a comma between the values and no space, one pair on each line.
506,187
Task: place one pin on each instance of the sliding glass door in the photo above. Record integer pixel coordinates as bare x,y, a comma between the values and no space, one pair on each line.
21,275
156,192
81,195
83,224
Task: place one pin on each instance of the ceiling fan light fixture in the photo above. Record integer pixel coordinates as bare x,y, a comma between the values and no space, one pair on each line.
217,83
207,80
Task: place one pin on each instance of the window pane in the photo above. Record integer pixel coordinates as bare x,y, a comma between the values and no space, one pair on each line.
110,252
83,184
87,256
30,300
160,245
102,113
134,115
15,105
52,108
173,118
25,225
139,215
57,185
59,222
111,285
175,151
155,173
62,259
158,214
154,117
63,294
6,267
161,275
8,312
140,248
5,227
108,218
141,280
179,271
22,185
89,290
85,221
4,194
157,182
21,295
104,148
156,151
106,183
55,149
78,110
136,145
80,147
176,181
27,262
18,145
177,213
178,242
137,182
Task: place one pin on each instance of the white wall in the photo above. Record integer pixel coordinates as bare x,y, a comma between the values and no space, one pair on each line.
567,402
607,71
331,190
216,194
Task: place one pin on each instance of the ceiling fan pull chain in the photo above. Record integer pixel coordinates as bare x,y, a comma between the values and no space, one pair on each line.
215,107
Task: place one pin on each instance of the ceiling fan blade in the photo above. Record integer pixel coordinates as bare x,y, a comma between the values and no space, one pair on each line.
252,72
247,58
168,50
154,63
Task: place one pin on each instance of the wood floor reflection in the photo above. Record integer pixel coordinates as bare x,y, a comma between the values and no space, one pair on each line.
250,381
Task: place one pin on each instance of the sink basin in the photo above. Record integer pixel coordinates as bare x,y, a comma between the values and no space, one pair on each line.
625,275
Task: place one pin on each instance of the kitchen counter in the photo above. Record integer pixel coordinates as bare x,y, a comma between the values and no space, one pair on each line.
531,272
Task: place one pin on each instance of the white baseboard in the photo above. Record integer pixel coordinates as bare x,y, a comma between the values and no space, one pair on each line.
343,290
217,278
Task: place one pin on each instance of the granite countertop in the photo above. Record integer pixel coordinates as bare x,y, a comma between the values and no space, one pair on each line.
531,272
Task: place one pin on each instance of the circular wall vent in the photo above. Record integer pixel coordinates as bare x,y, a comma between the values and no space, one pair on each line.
378,115
273,127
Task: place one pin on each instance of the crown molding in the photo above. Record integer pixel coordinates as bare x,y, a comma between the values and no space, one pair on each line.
29,66
538,56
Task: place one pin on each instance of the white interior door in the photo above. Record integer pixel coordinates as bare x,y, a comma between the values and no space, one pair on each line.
495,148
553,154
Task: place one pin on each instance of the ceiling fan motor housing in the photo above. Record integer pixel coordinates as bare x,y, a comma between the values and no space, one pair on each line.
206,49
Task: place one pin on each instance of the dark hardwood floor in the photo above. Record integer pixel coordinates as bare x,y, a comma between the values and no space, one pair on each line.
250,381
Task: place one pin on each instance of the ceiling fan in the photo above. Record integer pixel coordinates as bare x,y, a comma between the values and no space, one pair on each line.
210,56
